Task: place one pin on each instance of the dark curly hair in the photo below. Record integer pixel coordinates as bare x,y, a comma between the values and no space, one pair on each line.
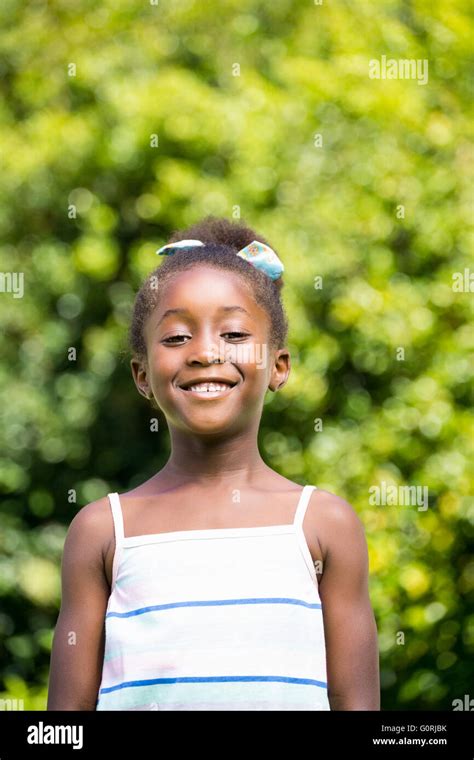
222,240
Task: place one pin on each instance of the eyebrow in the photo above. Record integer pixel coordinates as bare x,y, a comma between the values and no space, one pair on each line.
169,312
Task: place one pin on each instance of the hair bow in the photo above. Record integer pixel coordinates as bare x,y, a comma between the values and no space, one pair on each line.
258,254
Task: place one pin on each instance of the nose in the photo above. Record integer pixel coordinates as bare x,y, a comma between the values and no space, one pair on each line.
204,351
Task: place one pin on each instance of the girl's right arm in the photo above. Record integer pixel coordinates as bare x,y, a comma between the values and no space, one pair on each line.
78,644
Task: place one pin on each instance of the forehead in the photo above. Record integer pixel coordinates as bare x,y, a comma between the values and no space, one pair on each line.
204,291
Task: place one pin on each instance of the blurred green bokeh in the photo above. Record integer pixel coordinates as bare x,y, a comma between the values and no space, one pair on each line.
121,122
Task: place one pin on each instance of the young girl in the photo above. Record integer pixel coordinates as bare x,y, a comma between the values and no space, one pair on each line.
217,584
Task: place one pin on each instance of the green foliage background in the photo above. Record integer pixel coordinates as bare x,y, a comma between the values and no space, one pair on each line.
247,141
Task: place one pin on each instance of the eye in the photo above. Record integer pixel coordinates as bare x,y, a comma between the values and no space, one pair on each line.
173,338
178,339
238,334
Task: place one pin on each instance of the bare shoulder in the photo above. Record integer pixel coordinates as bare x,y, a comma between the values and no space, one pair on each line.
91,530
334,508
91,518
334,520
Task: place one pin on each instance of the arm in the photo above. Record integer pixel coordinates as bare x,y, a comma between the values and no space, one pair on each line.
349,622
78,644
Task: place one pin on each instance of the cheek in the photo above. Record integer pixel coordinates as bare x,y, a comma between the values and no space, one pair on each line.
250,355
256,380
163,363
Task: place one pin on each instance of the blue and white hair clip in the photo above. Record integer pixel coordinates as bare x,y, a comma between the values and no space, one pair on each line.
258,254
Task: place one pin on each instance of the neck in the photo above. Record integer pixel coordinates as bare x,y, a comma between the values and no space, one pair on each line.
212,460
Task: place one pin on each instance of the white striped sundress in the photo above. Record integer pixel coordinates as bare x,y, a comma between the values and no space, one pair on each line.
218,619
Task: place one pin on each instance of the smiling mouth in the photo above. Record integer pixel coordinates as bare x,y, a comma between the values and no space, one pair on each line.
208,390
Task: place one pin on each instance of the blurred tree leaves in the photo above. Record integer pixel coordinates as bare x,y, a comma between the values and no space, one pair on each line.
122,122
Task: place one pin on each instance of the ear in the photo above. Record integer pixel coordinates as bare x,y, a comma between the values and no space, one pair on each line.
280,369
140,377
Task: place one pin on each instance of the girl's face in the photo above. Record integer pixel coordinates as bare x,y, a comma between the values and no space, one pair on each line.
206,314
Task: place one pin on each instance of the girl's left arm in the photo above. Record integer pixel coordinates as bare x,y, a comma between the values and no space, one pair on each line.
349,622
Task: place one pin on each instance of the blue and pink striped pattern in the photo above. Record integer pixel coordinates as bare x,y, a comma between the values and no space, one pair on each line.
219,619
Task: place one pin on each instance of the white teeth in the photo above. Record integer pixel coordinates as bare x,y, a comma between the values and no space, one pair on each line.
205,387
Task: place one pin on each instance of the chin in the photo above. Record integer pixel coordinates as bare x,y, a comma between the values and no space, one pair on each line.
209,427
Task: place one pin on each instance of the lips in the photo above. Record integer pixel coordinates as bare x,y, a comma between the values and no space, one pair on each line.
220,389
200,380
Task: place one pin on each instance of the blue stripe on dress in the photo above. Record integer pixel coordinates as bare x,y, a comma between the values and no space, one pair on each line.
213,603
213,679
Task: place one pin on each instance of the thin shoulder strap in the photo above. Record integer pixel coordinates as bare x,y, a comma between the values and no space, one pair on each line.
117,517
300,534
302,506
